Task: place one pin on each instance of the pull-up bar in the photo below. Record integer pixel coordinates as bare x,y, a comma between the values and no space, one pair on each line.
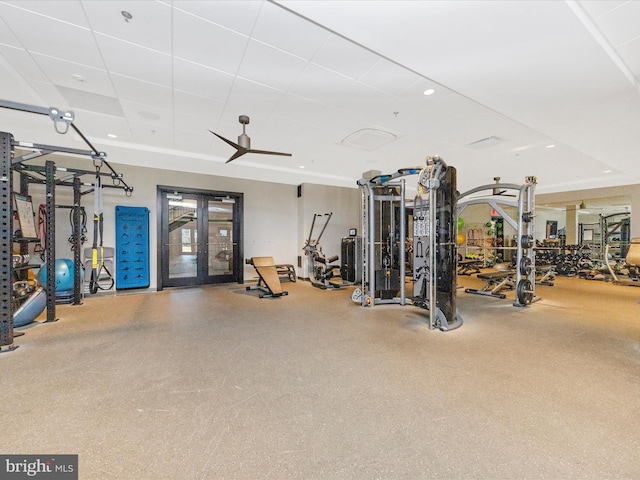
67,119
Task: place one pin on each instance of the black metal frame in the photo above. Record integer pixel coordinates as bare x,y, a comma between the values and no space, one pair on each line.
162,219
43,175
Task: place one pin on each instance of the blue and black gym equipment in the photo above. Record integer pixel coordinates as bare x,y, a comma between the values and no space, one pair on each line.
434,256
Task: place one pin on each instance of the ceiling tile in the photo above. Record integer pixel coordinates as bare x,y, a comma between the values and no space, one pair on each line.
6,35
192,141
48,96
231,14
280,29
595,8
206,108
43,36
135,61
360,99
248,98
148,114
203,42
142,92
149,26
22,63
269,66
88,79
69,11
319,84
344,57
192,123
621,24
389,77
159,136
630,53
201,80
92,102
299,108
96,127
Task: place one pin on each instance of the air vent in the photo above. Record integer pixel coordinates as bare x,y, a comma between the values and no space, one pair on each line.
92,102
368,139
485,143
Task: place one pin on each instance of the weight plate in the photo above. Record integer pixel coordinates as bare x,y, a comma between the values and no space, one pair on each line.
525,266
527,241
524,291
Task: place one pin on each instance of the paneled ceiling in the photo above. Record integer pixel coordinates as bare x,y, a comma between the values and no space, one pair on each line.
544,88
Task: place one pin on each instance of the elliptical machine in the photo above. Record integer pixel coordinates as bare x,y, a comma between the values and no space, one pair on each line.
320,268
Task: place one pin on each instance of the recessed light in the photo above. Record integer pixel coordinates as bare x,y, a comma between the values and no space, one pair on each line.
111,135
78,78
301,166
127,16
429,91
550,146
607,171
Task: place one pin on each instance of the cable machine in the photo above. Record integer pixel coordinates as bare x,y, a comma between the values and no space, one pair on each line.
434,261
44,175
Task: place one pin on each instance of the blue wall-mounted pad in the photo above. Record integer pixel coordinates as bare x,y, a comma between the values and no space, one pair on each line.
132,247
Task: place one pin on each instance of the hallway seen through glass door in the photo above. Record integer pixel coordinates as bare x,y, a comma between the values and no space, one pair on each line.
200,237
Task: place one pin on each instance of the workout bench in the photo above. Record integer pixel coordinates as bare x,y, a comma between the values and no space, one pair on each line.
268,279
547,275
495,282
469,266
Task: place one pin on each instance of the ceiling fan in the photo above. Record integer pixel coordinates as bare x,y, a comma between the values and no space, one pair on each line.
498,191
244,143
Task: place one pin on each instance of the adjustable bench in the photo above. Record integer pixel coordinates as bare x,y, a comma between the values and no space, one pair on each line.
287,270
495,282
469,266
268,279
547,275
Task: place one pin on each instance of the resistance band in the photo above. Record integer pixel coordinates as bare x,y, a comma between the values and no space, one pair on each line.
99,271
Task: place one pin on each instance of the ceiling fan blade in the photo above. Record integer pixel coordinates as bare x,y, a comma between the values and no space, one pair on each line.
233,144
241,151
267,152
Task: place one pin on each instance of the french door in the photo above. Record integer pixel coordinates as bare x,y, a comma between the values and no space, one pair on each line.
200,237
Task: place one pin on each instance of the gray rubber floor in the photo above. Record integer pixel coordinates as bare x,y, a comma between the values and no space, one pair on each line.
216,383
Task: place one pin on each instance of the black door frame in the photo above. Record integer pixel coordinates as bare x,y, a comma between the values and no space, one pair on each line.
238,230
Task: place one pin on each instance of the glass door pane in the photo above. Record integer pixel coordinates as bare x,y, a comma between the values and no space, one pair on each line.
183,238
220,246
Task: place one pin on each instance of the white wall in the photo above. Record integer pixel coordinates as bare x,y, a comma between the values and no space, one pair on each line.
271,210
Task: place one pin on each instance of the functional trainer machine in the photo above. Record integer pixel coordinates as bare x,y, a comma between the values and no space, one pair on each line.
525,276
384,218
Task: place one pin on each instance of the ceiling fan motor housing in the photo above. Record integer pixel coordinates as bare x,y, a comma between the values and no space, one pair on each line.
244,141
